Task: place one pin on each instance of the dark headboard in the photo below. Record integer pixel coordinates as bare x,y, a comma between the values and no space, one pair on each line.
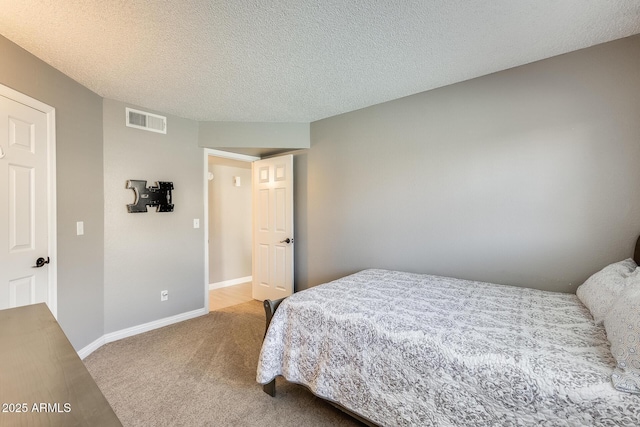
636,254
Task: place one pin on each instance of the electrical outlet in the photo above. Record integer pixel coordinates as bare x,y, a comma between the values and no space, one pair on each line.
164,295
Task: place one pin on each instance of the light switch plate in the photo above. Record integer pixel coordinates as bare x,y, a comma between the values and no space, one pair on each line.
196,223
80,228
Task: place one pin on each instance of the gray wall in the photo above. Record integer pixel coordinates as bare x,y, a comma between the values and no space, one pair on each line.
253,135
527,177
230,225
79,187
146,253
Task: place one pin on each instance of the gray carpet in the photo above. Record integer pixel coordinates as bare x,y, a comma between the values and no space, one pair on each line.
202,372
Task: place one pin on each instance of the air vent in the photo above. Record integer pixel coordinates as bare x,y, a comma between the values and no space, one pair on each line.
146,121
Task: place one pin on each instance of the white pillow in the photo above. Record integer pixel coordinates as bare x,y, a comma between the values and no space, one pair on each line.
622,324
600,290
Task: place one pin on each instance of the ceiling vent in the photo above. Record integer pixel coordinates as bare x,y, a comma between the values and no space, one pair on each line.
146,121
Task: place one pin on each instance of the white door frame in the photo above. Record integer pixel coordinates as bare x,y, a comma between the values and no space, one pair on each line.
50,113
210,152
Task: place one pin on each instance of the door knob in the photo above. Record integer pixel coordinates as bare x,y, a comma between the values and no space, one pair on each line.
287,240
1,153
40,262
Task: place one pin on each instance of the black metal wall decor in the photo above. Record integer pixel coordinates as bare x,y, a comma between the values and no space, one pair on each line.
159,196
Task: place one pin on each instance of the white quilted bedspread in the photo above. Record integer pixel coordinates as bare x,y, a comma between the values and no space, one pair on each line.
411,349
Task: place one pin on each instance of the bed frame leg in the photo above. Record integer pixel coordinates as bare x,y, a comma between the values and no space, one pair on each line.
270,388
270,308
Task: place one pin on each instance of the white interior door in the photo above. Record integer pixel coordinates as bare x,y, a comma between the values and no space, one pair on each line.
273,228
24,206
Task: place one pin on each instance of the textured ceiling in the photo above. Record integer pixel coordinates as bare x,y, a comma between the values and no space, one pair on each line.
298,60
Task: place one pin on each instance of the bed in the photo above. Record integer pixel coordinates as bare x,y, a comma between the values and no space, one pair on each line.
394,348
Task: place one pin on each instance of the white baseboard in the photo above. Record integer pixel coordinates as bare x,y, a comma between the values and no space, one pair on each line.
84,352
230,282
135,330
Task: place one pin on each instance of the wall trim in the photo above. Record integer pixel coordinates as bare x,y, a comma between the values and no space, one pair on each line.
230,282
135,330
205,190
85,351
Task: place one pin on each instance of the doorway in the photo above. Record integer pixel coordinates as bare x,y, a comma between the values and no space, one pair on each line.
229,233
